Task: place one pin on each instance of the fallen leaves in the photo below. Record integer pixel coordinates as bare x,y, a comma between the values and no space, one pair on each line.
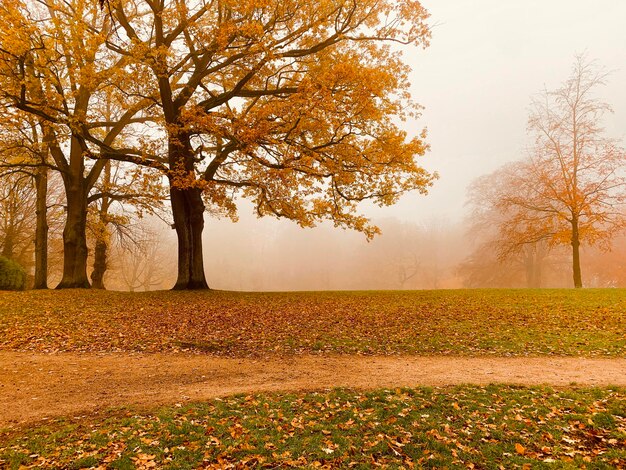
142,461
247,324
346,429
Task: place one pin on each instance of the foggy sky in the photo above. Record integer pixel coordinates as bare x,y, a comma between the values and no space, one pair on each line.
486,59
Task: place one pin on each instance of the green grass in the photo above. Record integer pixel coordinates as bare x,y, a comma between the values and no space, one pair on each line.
463,322
487,427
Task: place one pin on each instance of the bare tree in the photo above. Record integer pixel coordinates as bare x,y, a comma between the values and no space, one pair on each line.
570,190
17,204
146,264
508,246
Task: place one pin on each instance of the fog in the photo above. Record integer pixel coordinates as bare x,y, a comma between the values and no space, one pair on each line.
265,255
486,59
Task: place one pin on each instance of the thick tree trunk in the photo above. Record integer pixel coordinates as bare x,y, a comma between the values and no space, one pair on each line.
188,212
578,282
41,230
99,264
75,239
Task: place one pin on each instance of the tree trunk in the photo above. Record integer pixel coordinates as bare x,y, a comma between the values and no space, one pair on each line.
578,282
41,230
8,243
74,237
188,212
537,274
528,266
101,249
532,262
99,264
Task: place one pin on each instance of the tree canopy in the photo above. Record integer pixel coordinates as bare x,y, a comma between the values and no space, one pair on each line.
295,105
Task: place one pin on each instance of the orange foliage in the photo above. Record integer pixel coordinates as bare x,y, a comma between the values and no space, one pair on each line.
572,188
291,104
57,75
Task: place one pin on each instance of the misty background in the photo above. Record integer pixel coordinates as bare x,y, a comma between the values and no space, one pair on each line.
475,81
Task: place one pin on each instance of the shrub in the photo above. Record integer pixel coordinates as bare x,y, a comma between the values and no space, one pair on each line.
12,275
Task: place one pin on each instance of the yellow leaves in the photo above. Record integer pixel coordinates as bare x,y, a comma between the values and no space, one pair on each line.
144,461
237,431
248,8
292,112
414,14
520,449
14,35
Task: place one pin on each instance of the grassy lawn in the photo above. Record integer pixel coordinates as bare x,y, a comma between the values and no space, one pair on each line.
466,322
455,427
461,427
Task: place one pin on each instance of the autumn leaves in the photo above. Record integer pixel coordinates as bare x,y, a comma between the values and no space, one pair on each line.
292,105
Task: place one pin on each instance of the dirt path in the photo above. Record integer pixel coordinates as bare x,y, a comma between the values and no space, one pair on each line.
35,386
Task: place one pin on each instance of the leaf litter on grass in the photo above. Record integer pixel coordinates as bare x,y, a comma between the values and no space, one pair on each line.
463,322
454,427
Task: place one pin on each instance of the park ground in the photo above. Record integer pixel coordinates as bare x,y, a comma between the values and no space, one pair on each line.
463,379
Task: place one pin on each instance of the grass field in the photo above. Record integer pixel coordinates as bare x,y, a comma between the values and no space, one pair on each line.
498,426
461,427
464,322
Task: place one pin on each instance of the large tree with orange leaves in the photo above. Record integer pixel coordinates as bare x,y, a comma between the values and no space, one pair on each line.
293,104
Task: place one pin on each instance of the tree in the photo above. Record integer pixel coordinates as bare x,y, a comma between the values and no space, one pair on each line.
121,196
510,249
532,266
23,152
397,255
54,67
17,205
291,104
571,188
142,265
573,183
407,256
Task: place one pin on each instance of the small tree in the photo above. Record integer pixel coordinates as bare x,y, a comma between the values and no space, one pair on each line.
17,206
144,267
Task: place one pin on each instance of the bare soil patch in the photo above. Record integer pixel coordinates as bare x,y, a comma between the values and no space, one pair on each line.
34,386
